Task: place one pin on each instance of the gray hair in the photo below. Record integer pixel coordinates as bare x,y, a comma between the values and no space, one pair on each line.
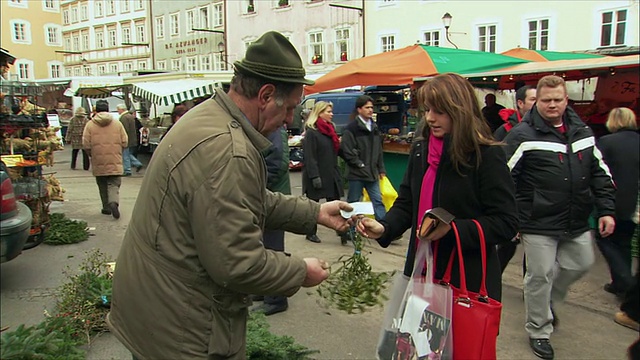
249,86
121,107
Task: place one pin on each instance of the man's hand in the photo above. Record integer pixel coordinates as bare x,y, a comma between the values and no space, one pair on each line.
606,225
370,228
382,175
316,272
330,217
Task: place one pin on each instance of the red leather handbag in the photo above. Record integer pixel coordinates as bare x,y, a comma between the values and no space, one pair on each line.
475,317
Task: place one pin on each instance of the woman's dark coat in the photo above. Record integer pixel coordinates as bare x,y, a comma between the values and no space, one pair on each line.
486,194
320,160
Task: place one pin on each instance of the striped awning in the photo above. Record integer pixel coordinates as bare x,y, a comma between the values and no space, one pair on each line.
171,92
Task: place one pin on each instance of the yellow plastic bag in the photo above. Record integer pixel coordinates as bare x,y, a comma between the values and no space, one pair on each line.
389,193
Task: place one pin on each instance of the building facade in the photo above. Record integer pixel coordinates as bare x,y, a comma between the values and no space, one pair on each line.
189,36
105,37
497,26
32,33
325,36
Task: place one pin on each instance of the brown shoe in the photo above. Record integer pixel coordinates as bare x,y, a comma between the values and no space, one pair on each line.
623,319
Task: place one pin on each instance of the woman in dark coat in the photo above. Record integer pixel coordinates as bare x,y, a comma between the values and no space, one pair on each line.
620,153
455,165
320,174
74,137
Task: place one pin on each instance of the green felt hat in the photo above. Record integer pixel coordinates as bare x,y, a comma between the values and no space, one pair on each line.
273,57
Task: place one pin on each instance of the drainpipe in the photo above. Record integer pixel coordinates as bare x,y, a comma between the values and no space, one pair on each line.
151,40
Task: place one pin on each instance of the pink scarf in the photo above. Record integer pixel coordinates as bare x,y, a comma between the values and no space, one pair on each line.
429,180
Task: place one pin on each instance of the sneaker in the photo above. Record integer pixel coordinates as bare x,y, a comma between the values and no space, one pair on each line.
257,298
106,211
313,238
612,289
270,309
623,319
115,212
542,348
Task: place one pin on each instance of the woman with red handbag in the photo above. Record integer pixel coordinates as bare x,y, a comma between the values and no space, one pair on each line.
455,165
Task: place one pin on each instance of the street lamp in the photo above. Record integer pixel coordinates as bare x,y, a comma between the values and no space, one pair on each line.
446,21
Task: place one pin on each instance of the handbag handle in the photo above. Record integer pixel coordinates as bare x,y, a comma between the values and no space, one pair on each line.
463,278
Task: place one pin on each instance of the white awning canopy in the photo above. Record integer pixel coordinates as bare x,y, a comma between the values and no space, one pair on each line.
171,92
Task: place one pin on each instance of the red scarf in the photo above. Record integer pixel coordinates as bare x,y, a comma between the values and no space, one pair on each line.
328,129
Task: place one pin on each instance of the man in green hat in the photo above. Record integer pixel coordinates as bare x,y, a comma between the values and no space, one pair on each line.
192,251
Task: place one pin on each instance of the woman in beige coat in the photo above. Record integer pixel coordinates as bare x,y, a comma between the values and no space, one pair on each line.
74,137
104,139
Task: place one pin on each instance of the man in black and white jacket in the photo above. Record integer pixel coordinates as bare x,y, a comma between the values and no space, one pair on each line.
559,175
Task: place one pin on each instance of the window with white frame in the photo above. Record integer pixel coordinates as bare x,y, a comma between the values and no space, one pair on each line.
142,65
112,37
191,21
84,12
139,4
53,34
50,5
18,3
248,6
99,40
161,65
432,38
128,66
160,27
126,33
24,69
614,27
141,35
487,38
114,68
124,6
55,69
74,14
192,63
280,3
205,62
20,31
87,70
76,42
111,7
387,43
539,34
99,8
65,17
174,24
176,64
67,43
218,14
343,48
316,48
84,35
77,71
218,62
68,72
102,69
205,22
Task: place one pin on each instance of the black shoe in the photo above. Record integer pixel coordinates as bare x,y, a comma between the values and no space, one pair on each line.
542,348
115,212
106,211
126,174
138,168
257,298
314,239
270,309
554,318
612,289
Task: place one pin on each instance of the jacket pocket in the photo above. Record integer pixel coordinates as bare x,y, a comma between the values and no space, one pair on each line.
582,205
548,204
228,325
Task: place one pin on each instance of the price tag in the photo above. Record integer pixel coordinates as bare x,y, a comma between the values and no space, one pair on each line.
12,160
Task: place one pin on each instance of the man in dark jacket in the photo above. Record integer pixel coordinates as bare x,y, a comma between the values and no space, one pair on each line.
559,175
361,147
525,99
491,112
128,120
277,161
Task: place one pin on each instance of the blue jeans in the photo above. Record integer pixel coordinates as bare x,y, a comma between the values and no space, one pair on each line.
373,188
129,160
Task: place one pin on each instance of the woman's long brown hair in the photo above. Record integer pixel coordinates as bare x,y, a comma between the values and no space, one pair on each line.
453,95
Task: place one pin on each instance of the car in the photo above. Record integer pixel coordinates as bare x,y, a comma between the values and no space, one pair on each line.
15,219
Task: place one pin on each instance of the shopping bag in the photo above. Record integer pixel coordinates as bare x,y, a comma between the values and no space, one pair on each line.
476,317
421,327
388,332
389,193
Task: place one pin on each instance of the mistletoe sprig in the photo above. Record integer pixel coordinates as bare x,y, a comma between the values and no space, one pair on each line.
354,287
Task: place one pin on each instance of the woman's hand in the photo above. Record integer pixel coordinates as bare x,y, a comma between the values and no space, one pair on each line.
438,233
369,228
